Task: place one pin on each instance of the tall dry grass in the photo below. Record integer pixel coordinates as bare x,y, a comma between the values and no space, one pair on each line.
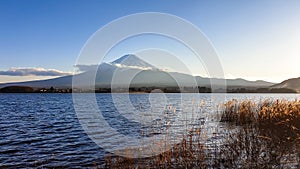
279,118
265,135
268,134
187,154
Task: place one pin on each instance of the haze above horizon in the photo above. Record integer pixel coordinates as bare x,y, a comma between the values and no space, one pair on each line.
255,40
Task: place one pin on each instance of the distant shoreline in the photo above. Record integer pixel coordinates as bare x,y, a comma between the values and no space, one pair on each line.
142,90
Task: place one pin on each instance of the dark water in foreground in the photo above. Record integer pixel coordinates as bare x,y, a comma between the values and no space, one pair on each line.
42,130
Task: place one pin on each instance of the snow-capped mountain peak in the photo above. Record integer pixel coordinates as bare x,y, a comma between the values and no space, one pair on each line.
132,61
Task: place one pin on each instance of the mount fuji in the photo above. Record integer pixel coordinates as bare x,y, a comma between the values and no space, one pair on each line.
146,75
132,61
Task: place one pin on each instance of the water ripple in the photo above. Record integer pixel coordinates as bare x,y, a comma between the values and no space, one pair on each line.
42,130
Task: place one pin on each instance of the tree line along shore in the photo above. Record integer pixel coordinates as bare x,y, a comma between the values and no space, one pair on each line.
199,89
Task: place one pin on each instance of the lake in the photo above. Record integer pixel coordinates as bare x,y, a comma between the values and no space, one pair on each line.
43,130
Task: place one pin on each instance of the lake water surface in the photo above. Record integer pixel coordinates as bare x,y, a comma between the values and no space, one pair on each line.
42,130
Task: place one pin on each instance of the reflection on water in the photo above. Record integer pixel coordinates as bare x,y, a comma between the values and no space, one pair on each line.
42,130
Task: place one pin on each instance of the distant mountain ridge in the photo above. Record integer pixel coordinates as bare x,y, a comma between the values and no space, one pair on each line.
293,84
147,75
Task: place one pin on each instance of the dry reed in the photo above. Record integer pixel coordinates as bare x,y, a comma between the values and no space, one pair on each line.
266,135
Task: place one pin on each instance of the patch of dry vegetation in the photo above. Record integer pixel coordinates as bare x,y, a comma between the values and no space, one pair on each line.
188,154
266,135
280,118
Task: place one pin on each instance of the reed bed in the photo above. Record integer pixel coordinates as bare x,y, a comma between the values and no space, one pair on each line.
268,134
279,118
187,154
262,134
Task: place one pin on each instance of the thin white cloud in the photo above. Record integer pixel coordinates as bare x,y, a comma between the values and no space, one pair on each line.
86,68
133,67
32,71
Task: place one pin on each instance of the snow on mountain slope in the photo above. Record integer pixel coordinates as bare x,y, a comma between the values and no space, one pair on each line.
132,61
146,75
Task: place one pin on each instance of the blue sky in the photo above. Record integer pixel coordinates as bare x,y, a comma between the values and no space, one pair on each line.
254,39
